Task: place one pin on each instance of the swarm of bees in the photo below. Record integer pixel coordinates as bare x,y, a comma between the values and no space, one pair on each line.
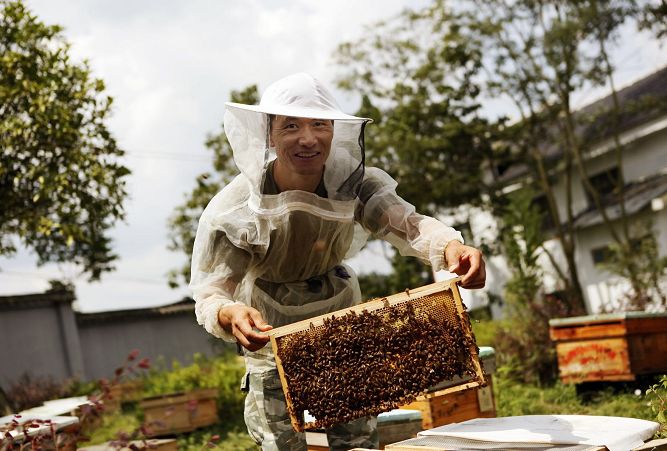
368,363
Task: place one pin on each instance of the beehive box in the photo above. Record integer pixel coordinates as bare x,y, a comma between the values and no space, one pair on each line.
376,356
180,412
131,390
439,408
610,347
398,425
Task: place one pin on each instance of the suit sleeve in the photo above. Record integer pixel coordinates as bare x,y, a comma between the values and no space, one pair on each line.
218,267
383,213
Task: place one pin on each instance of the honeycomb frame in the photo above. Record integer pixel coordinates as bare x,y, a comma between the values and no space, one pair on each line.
441,299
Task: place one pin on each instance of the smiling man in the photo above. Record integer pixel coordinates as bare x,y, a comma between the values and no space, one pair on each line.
302,147
270,246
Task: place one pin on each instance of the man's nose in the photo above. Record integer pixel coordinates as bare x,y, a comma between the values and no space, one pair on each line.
307,137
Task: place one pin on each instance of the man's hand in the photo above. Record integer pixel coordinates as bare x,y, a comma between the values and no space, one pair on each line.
466,261
241,321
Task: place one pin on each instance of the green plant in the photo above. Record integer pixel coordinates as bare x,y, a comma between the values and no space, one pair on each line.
485,331
519,398
109,427
223,373
217,437
639,262
657,396
523,339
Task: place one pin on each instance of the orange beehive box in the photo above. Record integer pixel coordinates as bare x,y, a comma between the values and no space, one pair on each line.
180,412
610,347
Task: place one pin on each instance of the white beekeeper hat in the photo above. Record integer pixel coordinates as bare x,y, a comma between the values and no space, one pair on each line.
298,95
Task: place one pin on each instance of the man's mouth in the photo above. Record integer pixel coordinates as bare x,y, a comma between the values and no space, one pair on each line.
307,154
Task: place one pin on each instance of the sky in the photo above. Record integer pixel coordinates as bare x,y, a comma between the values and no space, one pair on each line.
170,66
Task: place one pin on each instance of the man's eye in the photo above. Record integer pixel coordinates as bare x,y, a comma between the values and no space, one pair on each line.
292,126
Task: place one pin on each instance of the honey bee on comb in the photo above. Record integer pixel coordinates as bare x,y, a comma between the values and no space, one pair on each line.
368,361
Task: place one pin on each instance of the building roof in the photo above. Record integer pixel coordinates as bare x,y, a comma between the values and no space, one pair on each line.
638,195
184,306
65,296
36,300
642,102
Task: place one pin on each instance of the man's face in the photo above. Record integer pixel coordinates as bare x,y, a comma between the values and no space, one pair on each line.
302,144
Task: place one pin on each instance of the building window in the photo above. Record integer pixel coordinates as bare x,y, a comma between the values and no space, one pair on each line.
604,253
600,255
605,183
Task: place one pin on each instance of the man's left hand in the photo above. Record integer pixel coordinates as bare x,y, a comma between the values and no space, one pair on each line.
466,261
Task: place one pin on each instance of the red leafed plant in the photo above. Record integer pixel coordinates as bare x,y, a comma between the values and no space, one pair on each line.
29,392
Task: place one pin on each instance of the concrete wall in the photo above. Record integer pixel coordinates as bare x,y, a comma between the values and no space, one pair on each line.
105,345
45,338
603,290
32,341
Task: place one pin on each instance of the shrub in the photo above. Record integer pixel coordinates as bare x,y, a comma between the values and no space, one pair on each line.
638,261
657,396
523,342
31,391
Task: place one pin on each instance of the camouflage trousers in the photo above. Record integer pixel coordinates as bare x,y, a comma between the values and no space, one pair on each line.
269,424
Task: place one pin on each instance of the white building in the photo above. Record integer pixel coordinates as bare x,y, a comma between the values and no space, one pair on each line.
643,135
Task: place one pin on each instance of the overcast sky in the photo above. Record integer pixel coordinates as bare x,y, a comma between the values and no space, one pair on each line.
170,66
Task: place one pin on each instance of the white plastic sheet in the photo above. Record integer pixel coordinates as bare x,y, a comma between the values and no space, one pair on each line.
616,433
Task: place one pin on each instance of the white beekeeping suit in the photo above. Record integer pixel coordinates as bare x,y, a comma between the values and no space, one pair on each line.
282,253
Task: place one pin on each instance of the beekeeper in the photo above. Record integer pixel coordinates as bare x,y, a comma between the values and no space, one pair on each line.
270,246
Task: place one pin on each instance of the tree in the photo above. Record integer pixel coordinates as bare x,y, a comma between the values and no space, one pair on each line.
61,183
432,64
408,272
183,222
539,55
654,17
421,95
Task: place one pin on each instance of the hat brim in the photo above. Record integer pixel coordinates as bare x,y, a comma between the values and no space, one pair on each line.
298,111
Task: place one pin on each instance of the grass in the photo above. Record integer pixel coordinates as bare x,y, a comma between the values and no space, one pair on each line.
232,440
514,398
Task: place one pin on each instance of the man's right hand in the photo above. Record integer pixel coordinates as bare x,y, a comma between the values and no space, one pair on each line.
241,321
